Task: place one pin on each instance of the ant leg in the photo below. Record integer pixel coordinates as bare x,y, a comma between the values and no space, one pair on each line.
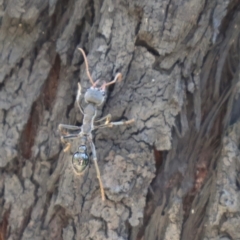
111,124
107,117
70,136
78,98
64,129
97,168
67,147
69,127
68,144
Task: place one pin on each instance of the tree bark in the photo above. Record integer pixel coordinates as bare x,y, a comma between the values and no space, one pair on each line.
174,173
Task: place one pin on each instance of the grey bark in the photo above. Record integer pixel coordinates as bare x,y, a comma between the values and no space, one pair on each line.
174,173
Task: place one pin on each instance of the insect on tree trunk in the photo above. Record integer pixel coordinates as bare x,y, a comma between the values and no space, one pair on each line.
174,172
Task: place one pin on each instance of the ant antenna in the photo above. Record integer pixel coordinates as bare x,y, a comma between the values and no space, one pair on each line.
118,76
86,63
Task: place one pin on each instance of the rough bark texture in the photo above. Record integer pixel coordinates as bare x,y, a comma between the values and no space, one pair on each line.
173,174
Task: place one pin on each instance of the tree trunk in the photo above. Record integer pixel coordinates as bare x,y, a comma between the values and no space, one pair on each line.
172,174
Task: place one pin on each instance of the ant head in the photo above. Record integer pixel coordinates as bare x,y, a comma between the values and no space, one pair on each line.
95,95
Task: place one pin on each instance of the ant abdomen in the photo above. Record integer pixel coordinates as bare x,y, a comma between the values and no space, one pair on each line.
80,160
